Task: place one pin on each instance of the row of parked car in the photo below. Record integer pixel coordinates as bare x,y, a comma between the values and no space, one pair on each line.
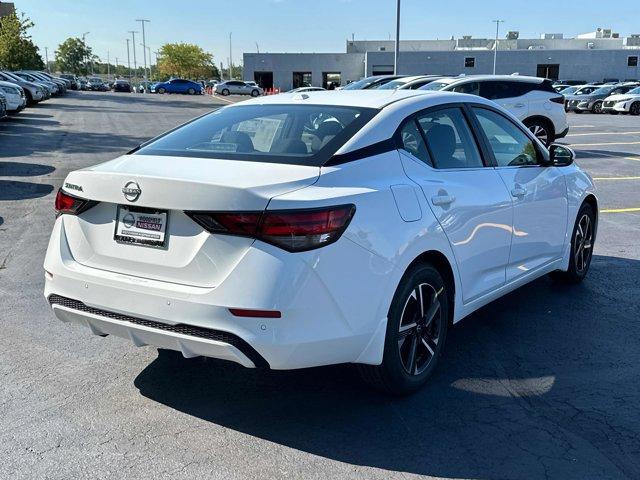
613,98
534,101
26,87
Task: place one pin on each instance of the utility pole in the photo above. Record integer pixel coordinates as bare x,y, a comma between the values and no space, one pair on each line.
397,50
84,35
257,47
144,54
230,59
128,59
46,57
221,76
108,65
135,64
495,47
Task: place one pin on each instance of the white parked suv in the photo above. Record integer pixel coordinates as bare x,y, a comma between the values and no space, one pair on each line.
295,230
623,103
532,100
14,94
237,87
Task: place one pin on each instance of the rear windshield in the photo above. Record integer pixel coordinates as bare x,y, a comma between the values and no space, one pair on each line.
293,134
435,86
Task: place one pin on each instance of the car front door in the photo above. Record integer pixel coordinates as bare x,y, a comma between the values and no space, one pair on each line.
470,201
538,191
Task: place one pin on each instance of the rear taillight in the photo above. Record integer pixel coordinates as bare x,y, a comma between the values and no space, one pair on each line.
559,99
291,230
71,205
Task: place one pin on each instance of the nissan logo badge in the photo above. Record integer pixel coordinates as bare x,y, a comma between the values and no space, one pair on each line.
131,191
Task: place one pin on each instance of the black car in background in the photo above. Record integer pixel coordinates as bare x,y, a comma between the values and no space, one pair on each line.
72,79
122,86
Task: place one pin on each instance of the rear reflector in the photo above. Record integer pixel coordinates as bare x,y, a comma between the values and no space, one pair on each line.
291,230
241,312
70,205
559,99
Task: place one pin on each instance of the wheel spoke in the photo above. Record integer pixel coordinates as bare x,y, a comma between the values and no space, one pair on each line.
428,346
432,311
411,364
420,299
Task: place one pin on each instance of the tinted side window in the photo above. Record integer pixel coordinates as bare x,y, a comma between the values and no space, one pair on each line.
472,88
411,140
510,145
449,139
496,90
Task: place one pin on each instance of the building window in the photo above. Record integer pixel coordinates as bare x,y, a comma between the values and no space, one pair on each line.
632,62
331,80
301,79
470,62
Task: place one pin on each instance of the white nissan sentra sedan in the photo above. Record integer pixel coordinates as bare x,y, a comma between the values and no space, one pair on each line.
319,228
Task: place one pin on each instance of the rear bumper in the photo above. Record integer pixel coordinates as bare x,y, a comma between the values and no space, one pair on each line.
563,133
322,322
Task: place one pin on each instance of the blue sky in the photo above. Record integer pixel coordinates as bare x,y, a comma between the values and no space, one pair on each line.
308,25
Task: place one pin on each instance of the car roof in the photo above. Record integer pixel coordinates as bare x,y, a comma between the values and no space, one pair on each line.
8,84
377,99
350,98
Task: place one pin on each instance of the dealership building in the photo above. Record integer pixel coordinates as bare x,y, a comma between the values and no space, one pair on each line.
595,56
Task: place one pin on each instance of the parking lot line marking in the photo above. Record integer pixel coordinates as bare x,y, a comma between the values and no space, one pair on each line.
602,144
620,210
601,133
635,159
616,178
223,99
583,126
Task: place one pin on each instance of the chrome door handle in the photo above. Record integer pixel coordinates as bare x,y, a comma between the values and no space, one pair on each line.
441,200
518,192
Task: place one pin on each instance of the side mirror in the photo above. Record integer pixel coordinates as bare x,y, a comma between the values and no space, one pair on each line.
561,155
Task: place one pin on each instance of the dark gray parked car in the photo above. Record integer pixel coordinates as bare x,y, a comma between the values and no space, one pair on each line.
592,102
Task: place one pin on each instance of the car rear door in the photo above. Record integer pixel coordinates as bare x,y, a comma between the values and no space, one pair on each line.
538,191
440,153
508,94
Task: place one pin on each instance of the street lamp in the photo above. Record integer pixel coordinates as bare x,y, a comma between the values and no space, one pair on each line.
495,47
397,49
84,35
144,52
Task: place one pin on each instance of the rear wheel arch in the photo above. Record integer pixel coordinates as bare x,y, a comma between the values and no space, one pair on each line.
441,263
543,120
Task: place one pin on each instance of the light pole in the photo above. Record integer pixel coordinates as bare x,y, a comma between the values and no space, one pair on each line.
230,59
46,57
495,47
144,53
397,49
108,65
128,59
135,64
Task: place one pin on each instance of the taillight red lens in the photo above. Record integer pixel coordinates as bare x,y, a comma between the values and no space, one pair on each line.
292,230
297,231
70,205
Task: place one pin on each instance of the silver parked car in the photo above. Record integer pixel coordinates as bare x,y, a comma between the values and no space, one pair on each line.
237,87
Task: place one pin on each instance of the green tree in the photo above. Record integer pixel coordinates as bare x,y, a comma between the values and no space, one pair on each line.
17,50
185,60
73,56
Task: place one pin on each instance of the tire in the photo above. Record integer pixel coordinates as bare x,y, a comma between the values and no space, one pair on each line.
635,109
613,112
542,129
412,344
255,93
225,92
191,91
597,107
577,111
582,240
162,90
27,94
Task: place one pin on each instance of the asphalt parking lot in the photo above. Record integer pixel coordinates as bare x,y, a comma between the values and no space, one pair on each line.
540,384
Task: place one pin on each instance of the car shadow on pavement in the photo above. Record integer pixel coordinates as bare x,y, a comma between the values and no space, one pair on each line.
13,190
19,169
539,384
